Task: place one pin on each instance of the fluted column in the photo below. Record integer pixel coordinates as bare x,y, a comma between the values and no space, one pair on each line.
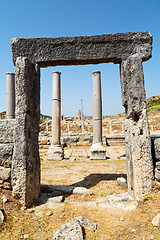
97,151
56,151
10,95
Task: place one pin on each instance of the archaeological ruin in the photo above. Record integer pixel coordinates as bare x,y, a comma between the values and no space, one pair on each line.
19,150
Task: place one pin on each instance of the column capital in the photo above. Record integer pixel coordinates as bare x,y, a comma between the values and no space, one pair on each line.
95,72
57,72
10,73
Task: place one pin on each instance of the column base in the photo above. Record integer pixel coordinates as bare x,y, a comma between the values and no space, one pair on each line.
97,151
55,153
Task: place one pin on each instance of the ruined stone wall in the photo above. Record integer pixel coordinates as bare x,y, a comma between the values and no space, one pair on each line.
6,151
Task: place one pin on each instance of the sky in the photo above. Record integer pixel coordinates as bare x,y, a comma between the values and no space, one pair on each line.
58,18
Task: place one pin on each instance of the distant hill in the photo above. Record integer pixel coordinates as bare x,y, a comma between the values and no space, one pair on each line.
153,103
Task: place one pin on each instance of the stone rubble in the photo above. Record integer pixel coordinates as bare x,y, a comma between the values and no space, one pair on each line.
122,182
73,230
156,220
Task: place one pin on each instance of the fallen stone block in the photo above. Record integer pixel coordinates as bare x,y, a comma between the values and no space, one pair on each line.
74,229
123,197
81,190
156,220
122,182
71,230
84,222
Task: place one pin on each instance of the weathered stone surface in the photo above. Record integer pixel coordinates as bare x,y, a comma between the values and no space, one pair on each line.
85,204
132,86
55,153
58,199
158,165
70,231
69,139
157,175
138,155
137,136
4,199
26,163
6,152
7,131
157,149
84,222
43,198
97,151
7,185
122,182
1,218
115,140
81,190
123,197
5,173
73,229
84,49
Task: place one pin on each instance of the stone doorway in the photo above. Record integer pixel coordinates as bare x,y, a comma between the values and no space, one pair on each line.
127,49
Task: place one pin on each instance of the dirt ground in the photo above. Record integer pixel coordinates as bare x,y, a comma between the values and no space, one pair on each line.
98,176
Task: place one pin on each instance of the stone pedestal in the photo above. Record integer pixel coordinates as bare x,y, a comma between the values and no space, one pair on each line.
97,151
56,152
10,95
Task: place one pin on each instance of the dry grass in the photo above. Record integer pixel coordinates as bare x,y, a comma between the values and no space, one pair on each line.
100,178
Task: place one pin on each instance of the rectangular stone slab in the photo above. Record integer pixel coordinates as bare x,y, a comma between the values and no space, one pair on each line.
84,49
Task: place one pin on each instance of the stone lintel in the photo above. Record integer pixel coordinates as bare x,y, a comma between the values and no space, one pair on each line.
83,49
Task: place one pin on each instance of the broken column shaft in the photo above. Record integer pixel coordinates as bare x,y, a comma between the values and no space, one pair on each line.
97,151
10,95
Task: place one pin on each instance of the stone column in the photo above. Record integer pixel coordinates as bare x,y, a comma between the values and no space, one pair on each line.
25,174
10,96
136,127
56,151
97,150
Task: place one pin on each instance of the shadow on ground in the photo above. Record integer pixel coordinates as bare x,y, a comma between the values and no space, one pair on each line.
88,182
94,178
